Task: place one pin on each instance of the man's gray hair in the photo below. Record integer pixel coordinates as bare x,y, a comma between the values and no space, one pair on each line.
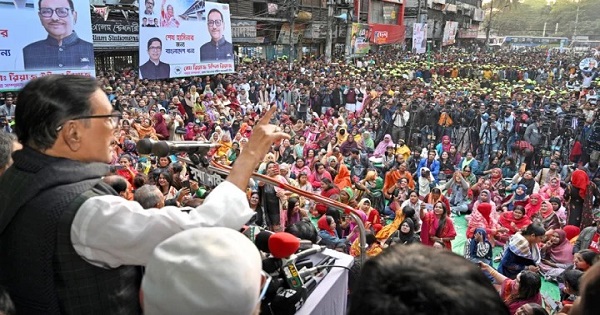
148,196
6,148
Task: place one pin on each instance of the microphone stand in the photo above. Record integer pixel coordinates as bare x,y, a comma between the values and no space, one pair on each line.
214,167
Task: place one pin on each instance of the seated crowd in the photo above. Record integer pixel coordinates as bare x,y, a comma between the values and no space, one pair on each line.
544,218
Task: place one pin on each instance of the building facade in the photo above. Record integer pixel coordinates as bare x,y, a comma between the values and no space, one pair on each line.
436,13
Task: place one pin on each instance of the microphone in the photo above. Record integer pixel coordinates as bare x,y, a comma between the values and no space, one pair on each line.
288,301
283,245
261,240
166,148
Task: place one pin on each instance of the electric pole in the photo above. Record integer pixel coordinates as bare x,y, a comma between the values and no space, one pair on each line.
293,11
349,21
329,39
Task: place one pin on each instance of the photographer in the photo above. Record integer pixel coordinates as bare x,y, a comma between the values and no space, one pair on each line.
400,120
488,135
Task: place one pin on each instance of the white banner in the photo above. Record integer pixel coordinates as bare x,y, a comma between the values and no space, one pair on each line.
53,39
180,38
419,38
449,37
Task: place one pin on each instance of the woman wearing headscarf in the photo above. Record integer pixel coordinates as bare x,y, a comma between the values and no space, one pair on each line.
162,130
518,198
328,233
532,208
478,248
406,233
511,222
342,179
552,189
557,255
580,198
526,178
481,219
145,129
373,217
372,186
341,136
354,231
548,216
367,144
443,146
382,146
225,144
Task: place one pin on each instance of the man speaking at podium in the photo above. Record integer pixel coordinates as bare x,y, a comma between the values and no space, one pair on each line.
69,244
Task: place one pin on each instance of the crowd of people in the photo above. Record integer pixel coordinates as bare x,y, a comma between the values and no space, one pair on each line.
415,144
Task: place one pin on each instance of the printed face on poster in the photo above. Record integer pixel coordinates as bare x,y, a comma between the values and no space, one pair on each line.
44,37
185,38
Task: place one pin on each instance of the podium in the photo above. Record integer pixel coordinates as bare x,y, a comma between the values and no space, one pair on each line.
330,297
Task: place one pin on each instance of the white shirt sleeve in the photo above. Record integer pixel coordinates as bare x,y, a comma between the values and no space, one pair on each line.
109,231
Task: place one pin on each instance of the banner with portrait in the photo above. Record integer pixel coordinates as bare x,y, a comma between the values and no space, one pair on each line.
449,36
181,38
359,41
35,41
419,38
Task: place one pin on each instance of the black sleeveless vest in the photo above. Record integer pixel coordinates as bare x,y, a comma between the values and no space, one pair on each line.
43,273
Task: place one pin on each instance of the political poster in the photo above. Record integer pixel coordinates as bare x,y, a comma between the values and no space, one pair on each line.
360,39
39,38
181,38
419,38
588,64
449,37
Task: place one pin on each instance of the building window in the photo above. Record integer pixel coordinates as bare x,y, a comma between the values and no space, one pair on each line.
384,13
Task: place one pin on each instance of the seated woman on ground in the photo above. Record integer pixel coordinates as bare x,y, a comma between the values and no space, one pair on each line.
557,255
524,289
478,248
511,222
522,252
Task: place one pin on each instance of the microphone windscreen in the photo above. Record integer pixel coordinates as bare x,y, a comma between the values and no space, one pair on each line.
161,149
261,240
288,301
144,146
283,244
271,265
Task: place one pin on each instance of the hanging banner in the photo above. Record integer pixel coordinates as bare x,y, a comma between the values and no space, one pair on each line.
360,39
449,37
383,34
419,38
35,41
284,33
185,38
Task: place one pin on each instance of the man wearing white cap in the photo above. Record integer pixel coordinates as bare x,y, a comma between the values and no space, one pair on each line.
204,271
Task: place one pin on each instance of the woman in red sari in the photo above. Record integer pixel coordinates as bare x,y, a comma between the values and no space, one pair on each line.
437,227
373,217
510,223
436,195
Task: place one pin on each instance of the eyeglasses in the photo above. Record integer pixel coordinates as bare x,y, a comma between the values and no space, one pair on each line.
216,23
114,119
155,48
60,12
265,285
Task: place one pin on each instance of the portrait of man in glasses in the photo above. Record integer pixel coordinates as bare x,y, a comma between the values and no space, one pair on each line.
154,68
62,48
218,48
